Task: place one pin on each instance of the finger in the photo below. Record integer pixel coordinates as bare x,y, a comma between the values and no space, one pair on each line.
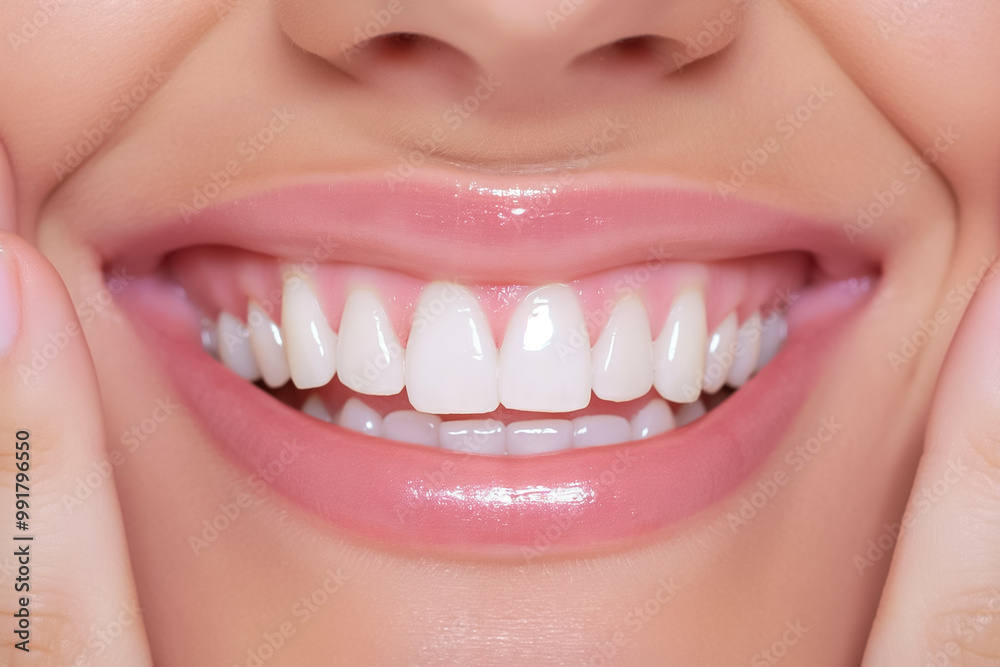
941,604
69,586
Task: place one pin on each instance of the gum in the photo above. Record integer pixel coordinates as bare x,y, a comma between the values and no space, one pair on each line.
217,278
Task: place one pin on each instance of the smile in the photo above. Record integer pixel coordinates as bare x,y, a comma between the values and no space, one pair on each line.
493,367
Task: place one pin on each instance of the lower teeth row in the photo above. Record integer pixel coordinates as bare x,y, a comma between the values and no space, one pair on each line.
489,436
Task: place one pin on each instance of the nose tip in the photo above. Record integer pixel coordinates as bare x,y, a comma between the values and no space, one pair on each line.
535,48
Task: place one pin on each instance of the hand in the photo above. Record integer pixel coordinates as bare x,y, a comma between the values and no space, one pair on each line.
68,597
941,603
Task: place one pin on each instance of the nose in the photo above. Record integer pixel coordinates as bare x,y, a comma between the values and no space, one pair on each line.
536,48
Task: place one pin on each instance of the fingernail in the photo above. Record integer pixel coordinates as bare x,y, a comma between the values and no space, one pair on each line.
10,302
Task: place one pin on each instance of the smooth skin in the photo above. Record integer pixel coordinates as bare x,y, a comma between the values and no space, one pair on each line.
788,582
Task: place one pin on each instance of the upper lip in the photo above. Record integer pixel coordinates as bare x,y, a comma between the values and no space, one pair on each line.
483,231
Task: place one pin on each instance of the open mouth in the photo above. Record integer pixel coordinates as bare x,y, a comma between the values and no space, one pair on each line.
432,366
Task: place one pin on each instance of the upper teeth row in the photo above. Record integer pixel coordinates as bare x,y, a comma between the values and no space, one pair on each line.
451,364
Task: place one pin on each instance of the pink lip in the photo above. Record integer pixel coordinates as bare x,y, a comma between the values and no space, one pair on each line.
411,495
470,232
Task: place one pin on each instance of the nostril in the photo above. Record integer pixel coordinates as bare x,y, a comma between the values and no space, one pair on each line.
397,55
636,54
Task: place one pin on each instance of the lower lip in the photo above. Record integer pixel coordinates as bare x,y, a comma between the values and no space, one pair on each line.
415,496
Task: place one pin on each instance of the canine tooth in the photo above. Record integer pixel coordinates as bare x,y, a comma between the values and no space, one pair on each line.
234,347
314,407
598,430
545,356
310,343
622,358
410,426
210,336
451,359
267,346
654,418
688,412
478,436
357,416
747,351
773,332
679,351
539,436
720,355
369,356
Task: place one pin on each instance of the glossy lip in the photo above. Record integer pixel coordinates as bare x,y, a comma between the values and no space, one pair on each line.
482,232
411,495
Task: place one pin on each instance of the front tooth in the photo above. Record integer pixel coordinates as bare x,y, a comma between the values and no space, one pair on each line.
314,408
679,351
265,340
539,436
234,347
451,359
773,332
598,430
747,351
545,356
623,355
720,356
357,416
369,356
476,436
653,419
688,412
410,426
310,343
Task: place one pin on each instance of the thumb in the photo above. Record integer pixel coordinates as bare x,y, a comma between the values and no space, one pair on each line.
66,580
941,604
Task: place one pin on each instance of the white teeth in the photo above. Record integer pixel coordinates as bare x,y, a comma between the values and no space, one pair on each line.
369,356
679,351
268,350
688,412
655,418
478,436
357,416
772,334
720,356
314,408
234,347
598,430
410,426
747,351
623,356
451,359
310,343
545,356
210,336
539,436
